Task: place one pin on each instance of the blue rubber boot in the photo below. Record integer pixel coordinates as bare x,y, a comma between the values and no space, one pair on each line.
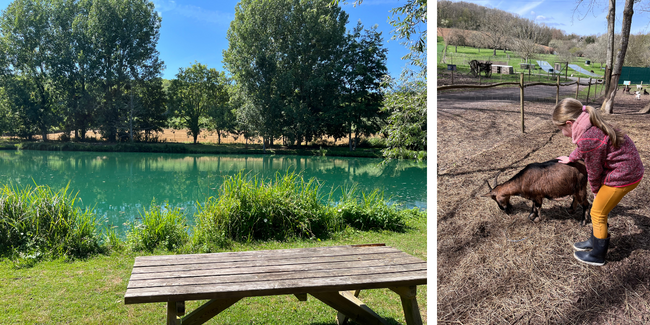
597,254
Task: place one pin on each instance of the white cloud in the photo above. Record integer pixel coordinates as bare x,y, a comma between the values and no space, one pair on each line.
541,18
528,7
194,12
532,13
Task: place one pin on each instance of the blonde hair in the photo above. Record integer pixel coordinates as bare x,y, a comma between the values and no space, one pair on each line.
569,109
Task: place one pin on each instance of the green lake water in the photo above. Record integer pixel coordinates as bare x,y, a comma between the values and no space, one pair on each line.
118,186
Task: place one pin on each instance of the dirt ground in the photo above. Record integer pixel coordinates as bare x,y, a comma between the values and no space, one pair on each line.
495,268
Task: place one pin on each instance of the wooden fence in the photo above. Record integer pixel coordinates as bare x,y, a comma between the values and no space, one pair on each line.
522,86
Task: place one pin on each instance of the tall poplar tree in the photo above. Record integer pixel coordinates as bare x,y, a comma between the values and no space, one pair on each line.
28,54
285,56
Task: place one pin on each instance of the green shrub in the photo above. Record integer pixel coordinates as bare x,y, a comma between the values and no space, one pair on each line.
41,222
160,227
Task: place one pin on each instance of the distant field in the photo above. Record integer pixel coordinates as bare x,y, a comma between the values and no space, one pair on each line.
181,136
461,55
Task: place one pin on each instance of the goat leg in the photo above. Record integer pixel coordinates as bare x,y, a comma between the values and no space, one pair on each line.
586,213
538,206
573,207
532,214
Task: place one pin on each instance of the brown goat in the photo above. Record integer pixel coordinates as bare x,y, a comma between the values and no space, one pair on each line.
549,180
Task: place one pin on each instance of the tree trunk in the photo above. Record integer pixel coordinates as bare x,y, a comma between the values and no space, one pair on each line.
350,136
219,137
131,118
646,109
628,11
610,44
495,52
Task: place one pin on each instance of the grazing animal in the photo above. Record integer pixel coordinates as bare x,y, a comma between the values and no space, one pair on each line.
638,95
639,86
538,181
645,92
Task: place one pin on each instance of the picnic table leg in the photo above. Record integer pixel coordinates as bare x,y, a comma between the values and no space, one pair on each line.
172,313
208,310
346,303
409,304
341,319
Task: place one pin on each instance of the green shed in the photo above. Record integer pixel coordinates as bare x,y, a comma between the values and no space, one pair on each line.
635,75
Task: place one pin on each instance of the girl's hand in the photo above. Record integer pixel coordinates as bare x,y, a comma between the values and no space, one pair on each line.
564,159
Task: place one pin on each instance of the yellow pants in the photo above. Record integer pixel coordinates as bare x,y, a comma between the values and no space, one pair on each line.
606,199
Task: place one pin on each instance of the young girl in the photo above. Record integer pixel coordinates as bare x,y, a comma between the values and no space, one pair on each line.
613,165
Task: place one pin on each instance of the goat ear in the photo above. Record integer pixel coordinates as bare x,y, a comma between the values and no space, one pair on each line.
486,194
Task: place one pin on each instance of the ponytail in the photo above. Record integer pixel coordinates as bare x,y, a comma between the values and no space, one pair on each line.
615,135
569,109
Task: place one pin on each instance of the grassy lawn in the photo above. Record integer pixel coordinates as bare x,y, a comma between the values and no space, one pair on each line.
92,291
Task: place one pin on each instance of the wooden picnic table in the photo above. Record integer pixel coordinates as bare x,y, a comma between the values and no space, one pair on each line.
333,275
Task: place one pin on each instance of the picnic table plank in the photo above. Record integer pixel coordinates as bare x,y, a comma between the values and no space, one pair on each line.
167,260
391,258
274,276
252,269
280,287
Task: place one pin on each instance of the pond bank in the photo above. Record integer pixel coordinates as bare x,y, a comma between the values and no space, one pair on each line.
252,149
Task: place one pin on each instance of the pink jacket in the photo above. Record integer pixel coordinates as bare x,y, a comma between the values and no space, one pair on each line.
616,167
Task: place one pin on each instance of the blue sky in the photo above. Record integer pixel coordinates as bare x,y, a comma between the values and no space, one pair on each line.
195,30
560,14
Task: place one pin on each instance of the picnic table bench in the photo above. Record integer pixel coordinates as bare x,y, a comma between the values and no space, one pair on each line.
333,275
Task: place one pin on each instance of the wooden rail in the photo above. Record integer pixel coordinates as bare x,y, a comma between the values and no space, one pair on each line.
522,86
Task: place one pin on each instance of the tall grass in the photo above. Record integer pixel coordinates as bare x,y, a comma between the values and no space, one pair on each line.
38,221
161,227
249,208
369,211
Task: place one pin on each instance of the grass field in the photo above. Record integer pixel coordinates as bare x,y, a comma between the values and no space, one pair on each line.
92,291
461,55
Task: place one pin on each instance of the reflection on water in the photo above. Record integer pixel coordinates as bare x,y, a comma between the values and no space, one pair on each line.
120,185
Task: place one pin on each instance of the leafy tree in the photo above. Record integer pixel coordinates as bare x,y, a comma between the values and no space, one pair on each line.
285,55
410,22
222,116
27,45
407,124
196,92
124,35
18,105
149,108
74,73
365,65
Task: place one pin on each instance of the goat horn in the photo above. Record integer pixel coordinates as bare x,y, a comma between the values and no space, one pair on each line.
488,184
495,178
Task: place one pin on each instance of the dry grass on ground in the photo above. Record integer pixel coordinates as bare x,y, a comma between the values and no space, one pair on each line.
495,268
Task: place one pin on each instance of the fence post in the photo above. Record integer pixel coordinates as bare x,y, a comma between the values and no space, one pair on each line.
521,101
577,87
557,91
588,89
